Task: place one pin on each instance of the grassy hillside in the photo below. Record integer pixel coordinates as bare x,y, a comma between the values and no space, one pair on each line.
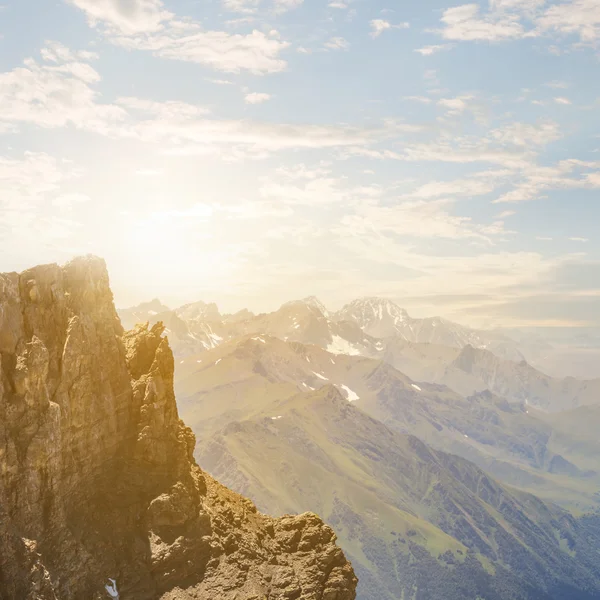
418,523
244,377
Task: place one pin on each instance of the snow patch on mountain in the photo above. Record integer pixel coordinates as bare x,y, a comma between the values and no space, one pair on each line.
351,396
339,345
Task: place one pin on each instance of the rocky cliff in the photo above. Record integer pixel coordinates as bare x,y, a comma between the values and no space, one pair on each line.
100,496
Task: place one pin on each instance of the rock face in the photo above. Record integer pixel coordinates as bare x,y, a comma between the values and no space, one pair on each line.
97,478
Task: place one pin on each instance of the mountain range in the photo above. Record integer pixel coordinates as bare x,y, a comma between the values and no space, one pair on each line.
432,350
447,465
271,417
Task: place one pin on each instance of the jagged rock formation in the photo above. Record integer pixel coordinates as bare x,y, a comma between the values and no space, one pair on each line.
97,477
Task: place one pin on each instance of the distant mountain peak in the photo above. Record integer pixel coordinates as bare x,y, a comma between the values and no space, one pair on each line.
199,310
377,316
316,303
154,306
311,302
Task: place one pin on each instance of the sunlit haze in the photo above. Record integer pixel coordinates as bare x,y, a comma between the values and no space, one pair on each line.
249,152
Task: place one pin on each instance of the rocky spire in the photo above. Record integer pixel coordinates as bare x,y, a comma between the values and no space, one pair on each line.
97,478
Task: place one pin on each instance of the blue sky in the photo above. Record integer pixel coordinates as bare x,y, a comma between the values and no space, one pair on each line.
247,152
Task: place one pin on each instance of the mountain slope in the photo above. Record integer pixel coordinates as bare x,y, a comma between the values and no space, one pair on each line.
415,521
470,370
98,486
244,377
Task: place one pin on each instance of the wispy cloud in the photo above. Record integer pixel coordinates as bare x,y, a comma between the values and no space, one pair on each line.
221,81
517,19
537,180
132,17
464,23
378,26
31,193
55,94
256,98
455,106
146,25
337,43
429,50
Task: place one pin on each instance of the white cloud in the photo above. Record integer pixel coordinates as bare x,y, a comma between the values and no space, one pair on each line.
513,146
128,16
221,81
55,93
145,25
429,50
30,188
378,26
188,129
526,134
314,187
338,5
419,219
562,100
256,98
421,99
255,52
505,214
59,53
579,239
543,238
455,106
517,19
337,43
525,6
463,23
477,185
580,18
567,174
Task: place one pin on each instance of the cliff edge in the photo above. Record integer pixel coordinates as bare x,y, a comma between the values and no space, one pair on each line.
100,496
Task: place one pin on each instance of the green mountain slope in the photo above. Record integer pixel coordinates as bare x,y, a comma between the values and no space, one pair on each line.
244,377
417,523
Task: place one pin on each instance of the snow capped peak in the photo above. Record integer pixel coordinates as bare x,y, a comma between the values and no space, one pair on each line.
375,313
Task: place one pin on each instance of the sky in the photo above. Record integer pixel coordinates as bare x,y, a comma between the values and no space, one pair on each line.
249,152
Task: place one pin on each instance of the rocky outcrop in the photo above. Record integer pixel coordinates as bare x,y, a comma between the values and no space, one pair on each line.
97,478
